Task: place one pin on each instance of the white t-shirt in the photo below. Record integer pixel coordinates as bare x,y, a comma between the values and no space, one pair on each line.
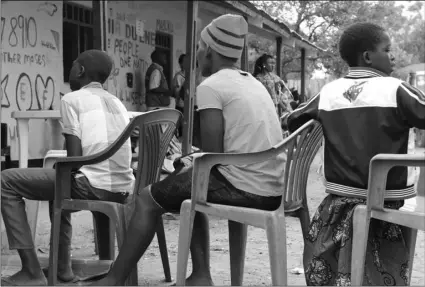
155,80
250,125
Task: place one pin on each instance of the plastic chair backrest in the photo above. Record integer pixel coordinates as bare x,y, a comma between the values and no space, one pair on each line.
301,153
156,129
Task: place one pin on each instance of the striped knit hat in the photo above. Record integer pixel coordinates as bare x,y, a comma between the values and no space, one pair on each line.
226,35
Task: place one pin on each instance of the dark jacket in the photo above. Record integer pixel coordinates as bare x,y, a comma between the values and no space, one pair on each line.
364,114
156,99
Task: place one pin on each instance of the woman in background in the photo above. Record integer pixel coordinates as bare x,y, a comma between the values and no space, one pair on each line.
263,71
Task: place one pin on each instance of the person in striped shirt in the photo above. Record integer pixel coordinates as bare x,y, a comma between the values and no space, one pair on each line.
92,119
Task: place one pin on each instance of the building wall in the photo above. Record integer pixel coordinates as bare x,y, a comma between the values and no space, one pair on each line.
32,72
32,56
131,53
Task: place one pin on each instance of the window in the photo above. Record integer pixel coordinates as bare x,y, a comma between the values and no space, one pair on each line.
77,34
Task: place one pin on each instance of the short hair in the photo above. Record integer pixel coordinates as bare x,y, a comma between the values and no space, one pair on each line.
181,58
232,60
155,55
358,38
97,64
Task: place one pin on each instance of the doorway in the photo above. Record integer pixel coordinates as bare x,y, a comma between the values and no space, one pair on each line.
164,43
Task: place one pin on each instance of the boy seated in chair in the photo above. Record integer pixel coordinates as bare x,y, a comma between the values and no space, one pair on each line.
363,114
92,119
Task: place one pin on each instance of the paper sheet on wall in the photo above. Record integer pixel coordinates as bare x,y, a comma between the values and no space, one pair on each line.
140,27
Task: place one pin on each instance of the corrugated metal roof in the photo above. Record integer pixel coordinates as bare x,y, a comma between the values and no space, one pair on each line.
281,25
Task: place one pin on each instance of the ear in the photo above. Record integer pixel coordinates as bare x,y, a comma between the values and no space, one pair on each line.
366,57
81,71
208,53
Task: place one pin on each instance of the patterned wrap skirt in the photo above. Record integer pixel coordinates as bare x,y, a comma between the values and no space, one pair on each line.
328,247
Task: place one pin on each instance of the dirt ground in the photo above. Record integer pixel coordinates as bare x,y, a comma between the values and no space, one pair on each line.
257,268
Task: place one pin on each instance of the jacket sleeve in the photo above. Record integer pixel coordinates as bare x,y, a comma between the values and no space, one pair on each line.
411,105
304,113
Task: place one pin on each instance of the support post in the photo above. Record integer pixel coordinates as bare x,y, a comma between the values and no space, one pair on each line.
303,71
279,56
97,24
100,27
412,79
190,85
3,238
244,59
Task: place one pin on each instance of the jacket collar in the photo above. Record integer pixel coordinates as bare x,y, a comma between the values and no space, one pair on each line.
364,72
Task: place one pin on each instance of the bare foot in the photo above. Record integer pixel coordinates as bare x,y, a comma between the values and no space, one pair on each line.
64,274
198,281
106,282
24,278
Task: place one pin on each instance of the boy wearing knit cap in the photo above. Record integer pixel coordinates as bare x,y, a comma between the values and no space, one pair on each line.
230,121
92,119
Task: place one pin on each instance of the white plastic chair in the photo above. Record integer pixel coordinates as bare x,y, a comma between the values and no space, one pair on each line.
410,216
301,146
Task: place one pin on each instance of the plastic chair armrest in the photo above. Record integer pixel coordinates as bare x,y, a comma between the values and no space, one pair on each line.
380,165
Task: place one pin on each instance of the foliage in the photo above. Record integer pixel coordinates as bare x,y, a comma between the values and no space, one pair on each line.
322,22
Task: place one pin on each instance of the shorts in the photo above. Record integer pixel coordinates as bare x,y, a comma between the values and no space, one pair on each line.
176,188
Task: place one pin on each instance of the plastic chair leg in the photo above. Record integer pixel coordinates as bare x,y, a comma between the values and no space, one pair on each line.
104,235
54,246
361,224
187,217
276,236
304,217
162,243
237,245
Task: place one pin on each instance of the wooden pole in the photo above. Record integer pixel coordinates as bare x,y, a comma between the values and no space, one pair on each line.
244,59
189,100
303,71
3,230
97,24
279,56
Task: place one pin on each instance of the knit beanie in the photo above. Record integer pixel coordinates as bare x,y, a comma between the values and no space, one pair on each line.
226,35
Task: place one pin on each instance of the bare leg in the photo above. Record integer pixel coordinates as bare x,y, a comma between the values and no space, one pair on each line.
30,273
142,228
200,253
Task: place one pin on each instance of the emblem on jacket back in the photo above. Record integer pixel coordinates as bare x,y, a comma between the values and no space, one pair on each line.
353,92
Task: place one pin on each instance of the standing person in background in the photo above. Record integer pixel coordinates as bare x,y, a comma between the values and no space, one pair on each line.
263,71
158,94
178,82
178,89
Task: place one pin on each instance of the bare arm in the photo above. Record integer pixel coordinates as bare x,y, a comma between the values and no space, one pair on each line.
73,145
212,130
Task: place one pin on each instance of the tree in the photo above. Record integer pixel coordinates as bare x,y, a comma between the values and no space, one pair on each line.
322,23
